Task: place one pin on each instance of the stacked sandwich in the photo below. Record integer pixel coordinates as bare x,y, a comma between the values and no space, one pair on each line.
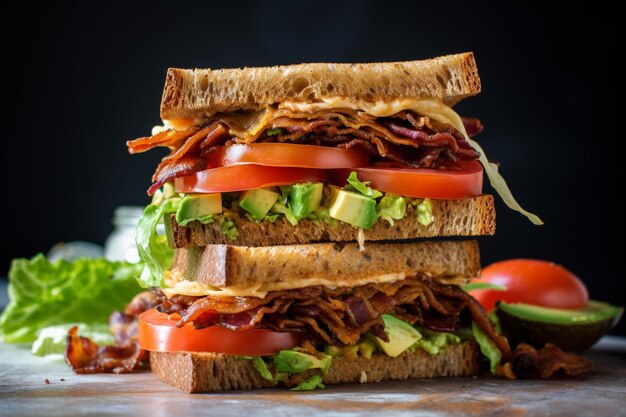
300,203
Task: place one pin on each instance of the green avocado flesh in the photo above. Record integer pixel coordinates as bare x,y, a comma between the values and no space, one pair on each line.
571,330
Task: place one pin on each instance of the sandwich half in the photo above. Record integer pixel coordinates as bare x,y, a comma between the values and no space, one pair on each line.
300,205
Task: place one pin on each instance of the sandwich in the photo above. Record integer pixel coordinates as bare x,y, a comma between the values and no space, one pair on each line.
317,227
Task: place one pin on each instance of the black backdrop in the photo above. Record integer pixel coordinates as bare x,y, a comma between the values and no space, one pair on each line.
80,79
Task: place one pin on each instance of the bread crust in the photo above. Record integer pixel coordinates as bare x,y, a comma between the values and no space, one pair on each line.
200,93
475,216
205,372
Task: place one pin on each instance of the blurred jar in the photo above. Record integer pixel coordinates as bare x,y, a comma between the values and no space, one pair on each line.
120,245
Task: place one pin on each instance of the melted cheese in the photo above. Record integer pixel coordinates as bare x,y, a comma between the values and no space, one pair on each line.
194,288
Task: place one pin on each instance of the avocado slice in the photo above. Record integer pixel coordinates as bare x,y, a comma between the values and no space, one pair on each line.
258,202
571,330
401,336
353,208
196,206
305,198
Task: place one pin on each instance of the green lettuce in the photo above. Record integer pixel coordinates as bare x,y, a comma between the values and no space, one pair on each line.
261,367
294,362
44,293
300,196
152,247
487,347
470,286
391,207
362,187
310,384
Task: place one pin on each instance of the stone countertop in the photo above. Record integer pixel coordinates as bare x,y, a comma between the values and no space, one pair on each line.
24,392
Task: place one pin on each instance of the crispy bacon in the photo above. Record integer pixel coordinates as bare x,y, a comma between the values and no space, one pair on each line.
339,315
87,357
404,138
546,363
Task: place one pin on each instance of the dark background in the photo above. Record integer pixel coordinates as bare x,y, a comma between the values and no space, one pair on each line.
80,79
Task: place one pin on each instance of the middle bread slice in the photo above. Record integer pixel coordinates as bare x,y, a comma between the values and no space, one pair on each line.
255,271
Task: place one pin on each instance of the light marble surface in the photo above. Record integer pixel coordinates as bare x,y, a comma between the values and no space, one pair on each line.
23,392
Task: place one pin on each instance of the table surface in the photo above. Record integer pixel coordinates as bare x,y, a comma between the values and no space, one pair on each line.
24,392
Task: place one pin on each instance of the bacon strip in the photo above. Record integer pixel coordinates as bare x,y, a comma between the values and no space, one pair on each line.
545,363
336,316
87,357
404,138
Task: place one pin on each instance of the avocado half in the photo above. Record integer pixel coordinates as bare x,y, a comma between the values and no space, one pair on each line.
571,330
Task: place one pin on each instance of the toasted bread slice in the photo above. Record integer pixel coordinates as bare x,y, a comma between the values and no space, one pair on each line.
474,216
203,372
340,264
198,93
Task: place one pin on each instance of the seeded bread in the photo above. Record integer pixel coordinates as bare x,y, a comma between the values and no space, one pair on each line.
340,264
198,93
474,216
203,372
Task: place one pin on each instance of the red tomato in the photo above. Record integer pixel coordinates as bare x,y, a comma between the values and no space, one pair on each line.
158,333
287,155
421,182
534,282
245,177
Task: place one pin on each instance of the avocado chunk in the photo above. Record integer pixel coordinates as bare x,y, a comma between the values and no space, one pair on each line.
572,330
305,198
258,202
353,208
197,207
401,336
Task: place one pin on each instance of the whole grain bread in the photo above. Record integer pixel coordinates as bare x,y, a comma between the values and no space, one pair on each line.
204,372
474,216
333,264
199,93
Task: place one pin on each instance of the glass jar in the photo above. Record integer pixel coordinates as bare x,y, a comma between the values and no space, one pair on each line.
120,245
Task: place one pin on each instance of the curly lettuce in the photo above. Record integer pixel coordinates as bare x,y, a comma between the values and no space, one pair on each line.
44,293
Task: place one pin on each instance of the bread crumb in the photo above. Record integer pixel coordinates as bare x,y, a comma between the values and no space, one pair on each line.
62,379
363,378
46,381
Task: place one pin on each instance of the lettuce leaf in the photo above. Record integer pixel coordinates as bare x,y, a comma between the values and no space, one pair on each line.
44,293
310,384
152,247
470,286
362,187
294,362
487,347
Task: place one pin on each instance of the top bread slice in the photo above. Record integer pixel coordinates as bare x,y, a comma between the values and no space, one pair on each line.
200,93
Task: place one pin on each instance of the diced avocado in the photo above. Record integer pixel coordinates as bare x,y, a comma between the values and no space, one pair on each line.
168,190
258,202
571,330
353,208
305,198
366,348
401,336
197,206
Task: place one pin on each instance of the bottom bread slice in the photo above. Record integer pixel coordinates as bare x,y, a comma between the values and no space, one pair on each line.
203,372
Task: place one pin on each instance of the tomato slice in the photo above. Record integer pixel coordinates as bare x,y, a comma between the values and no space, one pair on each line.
158,333
420,182
245,177
531,281
287,155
